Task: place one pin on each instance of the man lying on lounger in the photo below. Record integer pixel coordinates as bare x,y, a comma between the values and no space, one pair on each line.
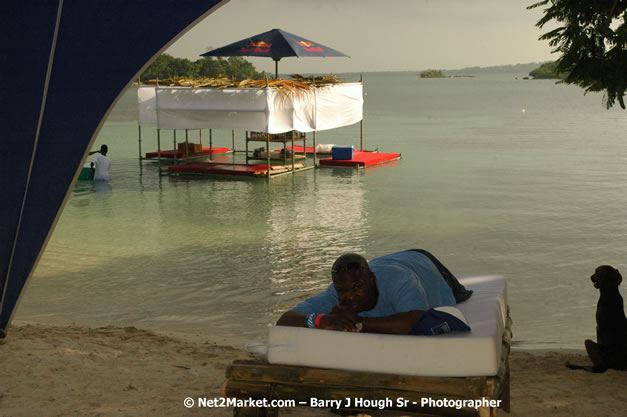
386,296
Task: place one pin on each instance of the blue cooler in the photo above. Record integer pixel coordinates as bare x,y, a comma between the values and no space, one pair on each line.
342,152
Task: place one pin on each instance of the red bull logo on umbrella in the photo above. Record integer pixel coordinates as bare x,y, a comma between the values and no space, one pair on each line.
260,47
310,47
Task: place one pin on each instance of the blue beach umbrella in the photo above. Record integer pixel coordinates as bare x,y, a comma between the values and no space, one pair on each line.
275,44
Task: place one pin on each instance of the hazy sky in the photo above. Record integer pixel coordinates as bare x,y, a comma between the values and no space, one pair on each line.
381,35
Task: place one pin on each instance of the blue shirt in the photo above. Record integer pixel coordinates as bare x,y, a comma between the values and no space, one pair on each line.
405,280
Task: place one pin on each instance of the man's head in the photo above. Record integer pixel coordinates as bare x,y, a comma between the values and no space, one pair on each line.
354,282
104,149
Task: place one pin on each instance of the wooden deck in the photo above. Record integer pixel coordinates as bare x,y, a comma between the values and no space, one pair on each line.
170,154
228,169
259,380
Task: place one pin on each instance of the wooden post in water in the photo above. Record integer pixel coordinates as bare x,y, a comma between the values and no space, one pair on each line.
139,140
186,143
361,122
159,149
268,133
314,148
246,147
158,124
175,150
293,150
268,152
313,83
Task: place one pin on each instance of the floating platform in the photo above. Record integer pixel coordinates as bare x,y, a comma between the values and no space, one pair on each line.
309,150
243,170
361,159
206,152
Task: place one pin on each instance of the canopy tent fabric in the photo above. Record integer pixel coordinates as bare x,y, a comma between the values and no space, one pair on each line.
255,109
276,44
69,61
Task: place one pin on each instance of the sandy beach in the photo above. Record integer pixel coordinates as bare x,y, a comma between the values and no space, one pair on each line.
110,371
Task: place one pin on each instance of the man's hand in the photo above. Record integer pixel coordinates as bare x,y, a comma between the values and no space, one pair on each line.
338,321
341,318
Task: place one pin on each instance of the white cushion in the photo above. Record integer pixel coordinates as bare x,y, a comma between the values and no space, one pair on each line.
474,353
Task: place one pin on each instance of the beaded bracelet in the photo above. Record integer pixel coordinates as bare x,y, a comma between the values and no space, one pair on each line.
309,320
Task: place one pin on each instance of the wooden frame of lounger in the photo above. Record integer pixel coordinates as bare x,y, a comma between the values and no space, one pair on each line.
258,380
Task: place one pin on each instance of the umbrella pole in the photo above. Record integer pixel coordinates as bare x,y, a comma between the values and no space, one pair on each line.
210,145
276,69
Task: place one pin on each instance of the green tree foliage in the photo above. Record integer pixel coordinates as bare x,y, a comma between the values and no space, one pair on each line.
432,74
166,66
548,70
592,41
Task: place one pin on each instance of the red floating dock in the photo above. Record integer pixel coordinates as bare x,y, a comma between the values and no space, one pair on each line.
216,168
361,159
181,155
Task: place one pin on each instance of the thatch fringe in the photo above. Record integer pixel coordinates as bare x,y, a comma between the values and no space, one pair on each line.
297,84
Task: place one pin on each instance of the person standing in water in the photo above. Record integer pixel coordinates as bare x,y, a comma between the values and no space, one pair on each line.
101,164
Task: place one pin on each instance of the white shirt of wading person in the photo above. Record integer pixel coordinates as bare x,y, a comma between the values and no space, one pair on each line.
101,164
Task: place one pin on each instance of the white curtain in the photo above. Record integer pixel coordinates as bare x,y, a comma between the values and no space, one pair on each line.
253,109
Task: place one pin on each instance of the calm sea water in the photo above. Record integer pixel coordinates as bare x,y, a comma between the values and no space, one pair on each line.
498,175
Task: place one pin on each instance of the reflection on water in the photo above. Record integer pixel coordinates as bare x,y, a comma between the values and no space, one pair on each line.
84,187
322,217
